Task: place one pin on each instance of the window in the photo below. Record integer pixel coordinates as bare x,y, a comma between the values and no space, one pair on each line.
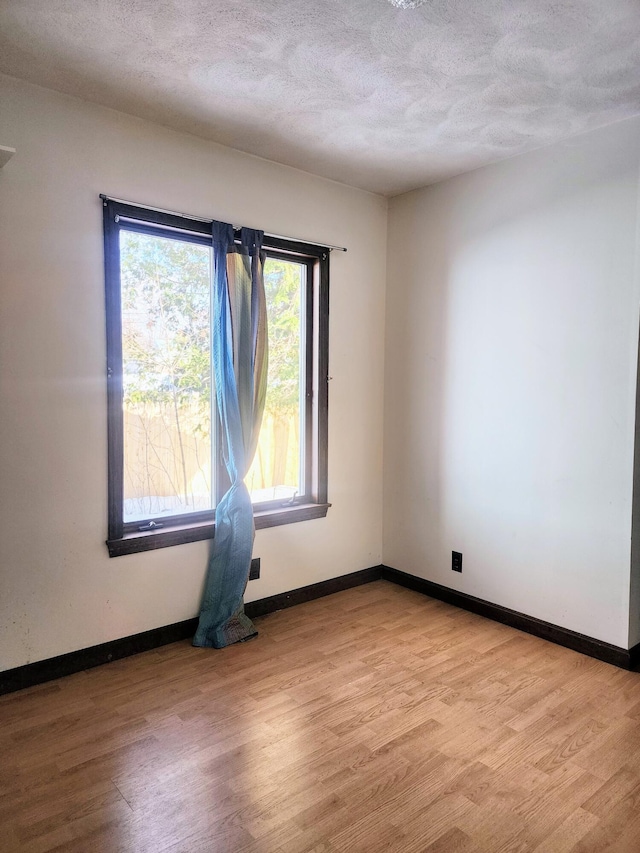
165,469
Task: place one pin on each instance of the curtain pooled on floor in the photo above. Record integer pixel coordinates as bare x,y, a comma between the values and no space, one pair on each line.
239,351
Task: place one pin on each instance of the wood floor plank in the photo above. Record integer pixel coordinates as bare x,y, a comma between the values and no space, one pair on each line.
375,720
568,833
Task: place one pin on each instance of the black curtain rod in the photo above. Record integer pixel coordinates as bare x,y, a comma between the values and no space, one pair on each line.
202,219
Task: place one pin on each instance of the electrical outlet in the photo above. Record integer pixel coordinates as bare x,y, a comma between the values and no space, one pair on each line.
254,571
456,561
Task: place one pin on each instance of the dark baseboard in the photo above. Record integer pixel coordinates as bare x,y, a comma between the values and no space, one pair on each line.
308,593
47,670
624,658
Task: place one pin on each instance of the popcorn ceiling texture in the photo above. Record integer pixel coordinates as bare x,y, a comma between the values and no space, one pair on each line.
356,90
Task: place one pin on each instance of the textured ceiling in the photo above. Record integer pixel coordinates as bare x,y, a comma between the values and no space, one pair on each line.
356,90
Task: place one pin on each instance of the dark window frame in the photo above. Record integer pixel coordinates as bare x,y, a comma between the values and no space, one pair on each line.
128,537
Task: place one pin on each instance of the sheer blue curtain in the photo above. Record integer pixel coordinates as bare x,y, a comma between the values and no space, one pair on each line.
239,349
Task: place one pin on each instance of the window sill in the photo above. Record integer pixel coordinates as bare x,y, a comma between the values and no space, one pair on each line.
149,540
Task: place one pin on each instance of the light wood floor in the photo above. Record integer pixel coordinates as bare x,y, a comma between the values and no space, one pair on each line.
372,720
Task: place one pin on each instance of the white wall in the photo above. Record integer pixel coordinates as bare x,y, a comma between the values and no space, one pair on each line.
59,591
511,351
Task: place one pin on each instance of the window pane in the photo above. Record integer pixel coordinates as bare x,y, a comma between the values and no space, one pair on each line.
166,375
277,471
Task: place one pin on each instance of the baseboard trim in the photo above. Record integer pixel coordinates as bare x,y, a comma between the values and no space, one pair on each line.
52,668
308,593
47,670
624,658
